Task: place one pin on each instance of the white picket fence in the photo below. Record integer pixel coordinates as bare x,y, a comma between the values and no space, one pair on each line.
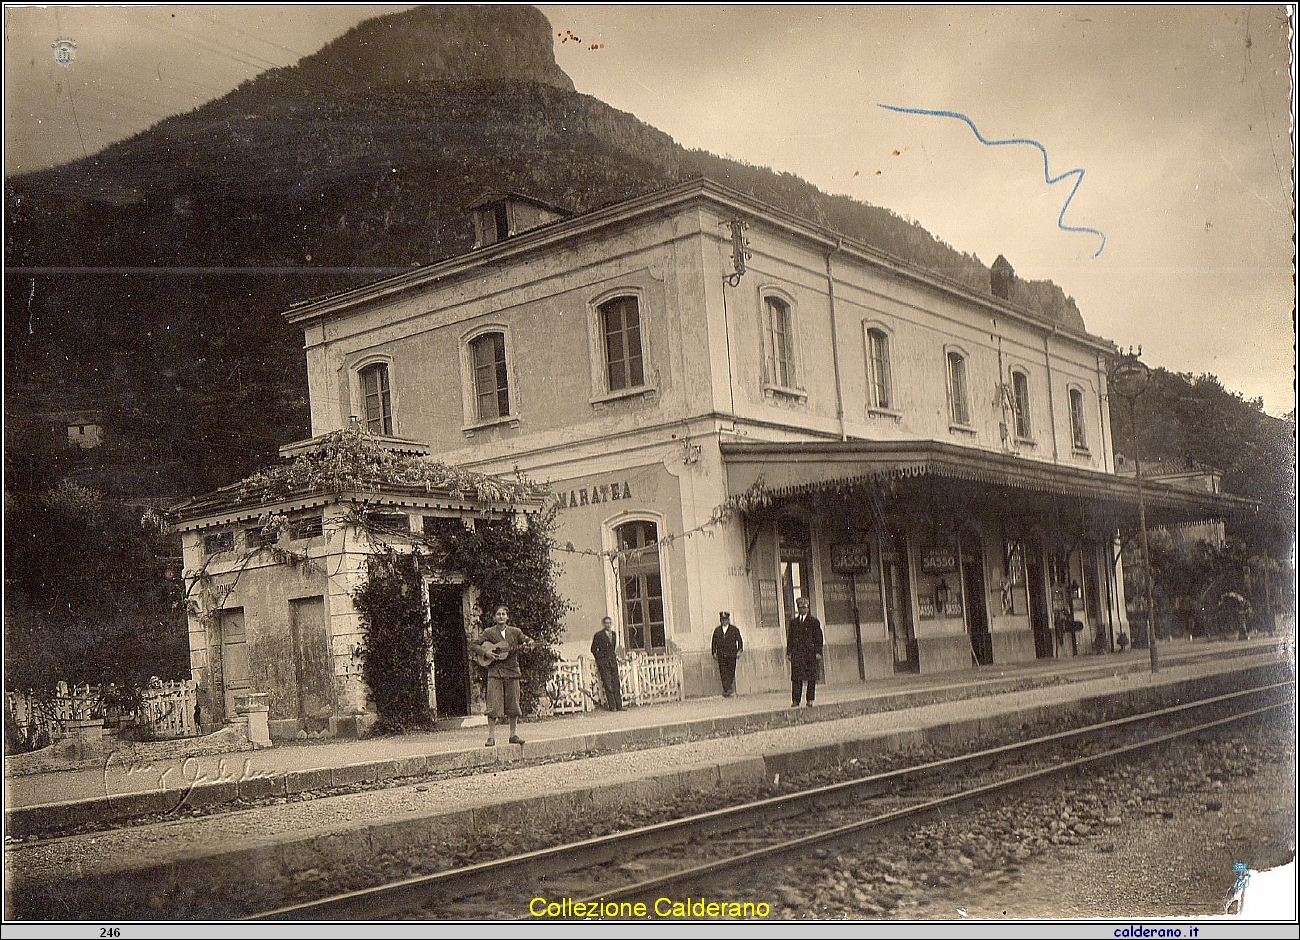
646,679
166,709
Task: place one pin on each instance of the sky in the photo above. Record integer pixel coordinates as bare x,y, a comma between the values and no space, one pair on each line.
1179,117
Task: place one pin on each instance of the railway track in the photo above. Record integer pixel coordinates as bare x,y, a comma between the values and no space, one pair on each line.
668,858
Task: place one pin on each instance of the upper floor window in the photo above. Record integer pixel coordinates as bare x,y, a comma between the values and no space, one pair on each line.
1078,427
620,323
958,397
780,342
491,378
377,398
880,377
1020,403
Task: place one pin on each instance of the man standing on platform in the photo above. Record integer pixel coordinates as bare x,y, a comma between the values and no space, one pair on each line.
501,643
727,647
803,647
604,647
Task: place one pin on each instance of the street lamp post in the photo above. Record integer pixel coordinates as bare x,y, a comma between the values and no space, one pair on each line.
1128,379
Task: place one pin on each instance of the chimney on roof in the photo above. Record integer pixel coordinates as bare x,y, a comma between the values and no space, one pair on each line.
499,215
1000,277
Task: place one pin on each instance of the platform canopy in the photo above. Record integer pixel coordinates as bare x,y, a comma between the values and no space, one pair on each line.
793,469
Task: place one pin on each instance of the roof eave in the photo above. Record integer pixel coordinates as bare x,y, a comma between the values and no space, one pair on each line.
563,230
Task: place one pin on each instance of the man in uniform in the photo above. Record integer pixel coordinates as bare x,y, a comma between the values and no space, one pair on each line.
727,646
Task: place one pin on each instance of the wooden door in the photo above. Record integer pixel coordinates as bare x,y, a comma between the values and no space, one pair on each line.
313,663
236,675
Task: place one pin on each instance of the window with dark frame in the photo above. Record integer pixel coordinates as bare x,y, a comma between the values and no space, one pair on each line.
781,369
882,395
620,320
261,537
641,586
390,522
1078,427
377,399
306,527
216,542
1020,394
491,376
957,399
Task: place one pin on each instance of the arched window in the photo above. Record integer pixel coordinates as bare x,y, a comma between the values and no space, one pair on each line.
620,323
1020,403
879,372
1078,427
377,399
780,343
491,377
958,400
641,591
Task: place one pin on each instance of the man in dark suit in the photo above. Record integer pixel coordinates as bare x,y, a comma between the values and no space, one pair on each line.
604,647
727,646
803,647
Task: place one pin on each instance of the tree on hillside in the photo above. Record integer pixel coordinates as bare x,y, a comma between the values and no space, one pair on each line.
1190,422
87,592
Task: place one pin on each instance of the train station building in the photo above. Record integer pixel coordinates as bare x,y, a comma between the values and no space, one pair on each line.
734,407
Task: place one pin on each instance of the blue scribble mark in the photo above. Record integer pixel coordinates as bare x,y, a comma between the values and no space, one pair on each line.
1047,174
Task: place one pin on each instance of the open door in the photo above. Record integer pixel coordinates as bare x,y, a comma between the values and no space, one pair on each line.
451,674
976,602
1039,618
896,584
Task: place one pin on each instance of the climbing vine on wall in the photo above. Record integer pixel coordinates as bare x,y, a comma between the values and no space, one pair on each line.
507,560
396,642
510,563
355,459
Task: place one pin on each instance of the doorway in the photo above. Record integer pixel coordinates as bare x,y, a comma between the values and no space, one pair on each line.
450,650
1039,618
232,672
1092,605
977,613
312,690
898,612
795,553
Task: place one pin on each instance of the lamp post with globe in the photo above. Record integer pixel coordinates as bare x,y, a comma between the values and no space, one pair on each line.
1129,378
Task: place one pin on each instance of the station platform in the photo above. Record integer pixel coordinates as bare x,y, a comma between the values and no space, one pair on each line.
579,767
132,781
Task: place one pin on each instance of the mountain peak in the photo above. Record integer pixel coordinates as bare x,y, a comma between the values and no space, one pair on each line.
441,43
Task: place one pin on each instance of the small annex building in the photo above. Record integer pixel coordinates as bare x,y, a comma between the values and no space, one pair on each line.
271,564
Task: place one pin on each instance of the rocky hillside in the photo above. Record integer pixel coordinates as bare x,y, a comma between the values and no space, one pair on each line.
362,156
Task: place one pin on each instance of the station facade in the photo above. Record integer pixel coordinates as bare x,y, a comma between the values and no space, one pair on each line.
734,407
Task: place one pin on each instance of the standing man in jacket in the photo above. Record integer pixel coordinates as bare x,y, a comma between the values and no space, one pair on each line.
727,647
501,644
803,647
604,648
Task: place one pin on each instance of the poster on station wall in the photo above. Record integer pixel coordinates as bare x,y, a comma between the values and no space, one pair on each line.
837,600
871,609
768,607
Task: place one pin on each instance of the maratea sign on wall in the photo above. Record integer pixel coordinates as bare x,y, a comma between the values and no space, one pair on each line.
594,495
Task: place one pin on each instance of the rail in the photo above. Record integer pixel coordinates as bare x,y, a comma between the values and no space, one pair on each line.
403,896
